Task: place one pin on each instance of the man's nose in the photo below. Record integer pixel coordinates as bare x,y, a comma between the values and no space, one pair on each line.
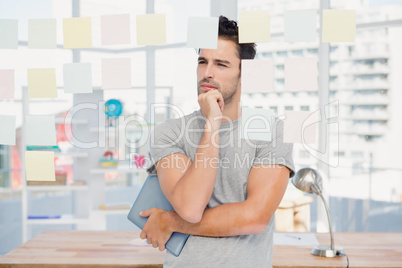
209,71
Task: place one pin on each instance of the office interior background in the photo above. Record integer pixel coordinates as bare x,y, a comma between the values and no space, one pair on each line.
363,92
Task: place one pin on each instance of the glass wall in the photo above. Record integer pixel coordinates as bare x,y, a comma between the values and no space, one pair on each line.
365,179
365,186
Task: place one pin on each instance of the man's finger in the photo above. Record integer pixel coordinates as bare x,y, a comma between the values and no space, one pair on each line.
220,103
145,213
161,247
143,235
149,240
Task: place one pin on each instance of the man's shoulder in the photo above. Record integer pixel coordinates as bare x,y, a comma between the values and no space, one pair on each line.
181,122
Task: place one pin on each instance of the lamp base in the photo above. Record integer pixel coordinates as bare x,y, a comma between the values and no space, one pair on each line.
326,251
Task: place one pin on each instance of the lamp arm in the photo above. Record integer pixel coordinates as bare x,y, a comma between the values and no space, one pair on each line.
329,221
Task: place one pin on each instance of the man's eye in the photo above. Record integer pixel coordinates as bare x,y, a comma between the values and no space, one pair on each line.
201,62
223,65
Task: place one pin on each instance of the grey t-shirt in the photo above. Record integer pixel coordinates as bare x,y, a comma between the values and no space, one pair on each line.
236,157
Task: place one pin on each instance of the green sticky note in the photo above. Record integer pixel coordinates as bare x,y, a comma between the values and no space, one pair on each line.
8,33
42,33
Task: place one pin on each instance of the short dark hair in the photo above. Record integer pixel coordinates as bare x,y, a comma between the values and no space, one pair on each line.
228,30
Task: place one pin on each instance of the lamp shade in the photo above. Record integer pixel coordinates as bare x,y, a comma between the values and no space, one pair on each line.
308,180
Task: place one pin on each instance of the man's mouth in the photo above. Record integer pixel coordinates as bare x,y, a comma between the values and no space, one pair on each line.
208,87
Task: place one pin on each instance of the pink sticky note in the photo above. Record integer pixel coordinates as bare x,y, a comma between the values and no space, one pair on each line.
257,75
7,84
300,127
301,74
116,73
115,29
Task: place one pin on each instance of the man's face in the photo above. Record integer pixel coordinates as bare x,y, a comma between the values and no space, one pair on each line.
219,69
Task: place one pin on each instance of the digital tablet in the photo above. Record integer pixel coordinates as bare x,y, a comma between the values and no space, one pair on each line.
151,196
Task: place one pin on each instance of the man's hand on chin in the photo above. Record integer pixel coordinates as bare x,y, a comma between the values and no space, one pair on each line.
156,230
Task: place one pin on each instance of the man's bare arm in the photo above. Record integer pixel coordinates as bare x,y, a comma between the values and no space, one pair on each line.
265,189
189,188
189,185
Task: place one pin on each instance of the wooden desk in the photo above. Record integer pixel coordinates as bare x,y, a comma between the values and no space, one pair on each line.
112,249
363,249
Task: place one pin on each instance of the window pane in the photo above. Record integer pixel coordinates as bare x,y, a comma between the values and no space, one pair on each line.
363,83
177,13
371,10
176,69
364,100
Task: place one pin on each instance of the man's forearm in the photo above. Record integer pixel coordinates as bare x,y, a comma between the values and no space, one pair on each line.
224,220
195,188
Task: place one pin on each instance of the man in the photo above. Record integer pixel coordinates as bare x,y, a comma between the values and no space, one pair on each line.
224,189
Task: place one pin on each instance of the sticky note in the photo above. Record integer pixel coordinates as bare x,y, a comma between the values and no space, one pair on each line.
300,127
151,29
39,166
77,78
254,26
42,33
7,84
116,73
115,29
40,130
301,74
42,83
338,25
8,33
256,124
257,75
300,25
77,33
202,32
7,129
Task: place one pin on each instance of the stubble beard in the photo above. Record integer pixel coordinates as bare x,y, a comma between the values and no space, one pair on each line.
227,95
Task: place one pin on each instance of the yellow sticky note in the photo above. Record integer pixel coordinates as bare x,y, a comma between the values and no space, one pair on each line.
338,25
42,83
151,29
254,26
77,33
39,166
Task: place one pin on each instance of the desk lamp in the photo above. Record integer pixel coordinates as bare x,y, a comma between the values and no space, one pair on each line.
310,181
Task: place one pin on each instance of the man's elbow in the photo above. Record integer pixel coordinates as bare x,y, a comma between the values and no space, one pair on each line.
259,224
257,228
190,215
